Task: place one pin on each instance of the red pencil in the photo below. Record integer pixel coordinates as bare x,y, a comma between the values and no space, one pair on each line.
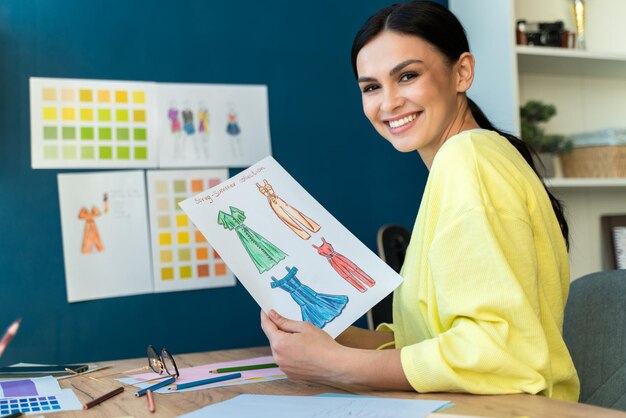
8,335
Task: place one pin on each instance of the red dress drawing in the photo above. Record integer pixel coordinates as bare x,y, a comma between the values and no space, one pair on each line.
292,217
91,237
346,268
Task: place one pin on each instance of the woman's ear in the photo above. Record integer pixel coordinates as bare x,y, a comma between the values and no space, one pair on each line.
464,68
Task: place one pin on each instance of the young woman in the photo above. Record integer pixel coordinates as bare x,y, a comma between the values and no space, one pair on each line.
486,274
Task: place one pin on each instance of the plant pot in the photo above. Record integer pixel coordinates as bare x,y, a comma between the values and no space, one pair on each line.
544,163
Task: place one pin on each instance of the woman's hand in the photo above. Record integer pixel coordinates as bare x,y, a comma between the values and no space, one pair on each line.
303,351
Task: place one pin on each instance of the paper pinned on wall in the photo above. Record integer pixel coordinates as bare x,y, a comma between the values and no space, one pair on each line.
78,123
182,259
212,125
105,234
288,251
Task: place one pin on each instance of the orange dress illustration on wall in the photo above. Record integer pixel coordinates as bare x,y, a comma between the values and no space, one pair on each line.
291,216
91,236
344,267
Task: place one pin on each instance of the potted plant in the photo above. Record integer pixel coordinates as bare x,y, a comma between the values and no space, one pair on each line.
548,146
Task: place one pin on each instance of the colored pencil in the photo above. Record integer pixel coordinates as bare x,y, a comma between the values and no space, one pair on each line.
9,334
103,398
166,382
244,368
206,381
13,415
150,401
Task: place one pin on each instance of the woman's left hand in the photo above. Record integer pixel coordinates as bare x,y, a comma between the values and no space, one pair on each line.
301,350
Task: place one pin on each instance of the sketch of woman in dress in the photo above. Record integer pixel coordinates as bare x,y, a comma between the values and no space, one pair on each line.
344,267
263,253
91,236
203,128
233,130
316,308
292,217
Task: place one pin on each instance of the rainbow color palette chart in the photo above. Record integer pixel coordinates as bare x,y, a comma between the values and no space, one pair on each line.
92,123
181,256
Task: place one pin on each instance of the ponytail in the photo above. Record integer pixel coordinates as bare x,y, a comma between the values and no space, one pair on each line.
527,152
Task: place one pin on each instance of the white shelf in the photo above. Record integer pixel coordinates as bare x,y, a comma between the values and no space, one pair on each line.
585,183
563,61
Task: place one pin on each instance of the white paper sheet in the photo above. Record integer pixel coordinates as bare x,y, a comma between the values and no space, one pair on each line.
92,123
338,279
105,234
270,406
182,259
36,395
212,125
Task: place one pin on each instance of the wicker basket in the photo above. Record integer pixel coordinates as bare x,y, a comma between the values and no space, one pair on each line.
598,161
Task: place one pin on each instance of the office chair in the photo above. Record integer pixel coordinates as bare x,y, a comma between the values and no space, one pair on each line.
594,330
392,241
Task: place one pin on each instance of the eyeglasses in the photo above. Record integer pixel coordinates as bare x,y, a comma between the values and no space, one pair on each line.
163,362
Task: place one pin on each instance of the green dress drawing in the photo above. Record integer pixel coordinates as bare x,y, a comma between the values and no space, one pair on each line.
263,253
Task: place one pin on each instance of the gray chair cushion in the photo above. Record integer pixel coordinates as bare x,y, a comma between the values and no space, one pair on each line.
594,330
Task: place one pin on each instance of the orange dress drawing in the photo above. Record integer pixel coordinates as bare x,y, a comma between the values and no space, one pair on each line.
91,237
345,267
291,216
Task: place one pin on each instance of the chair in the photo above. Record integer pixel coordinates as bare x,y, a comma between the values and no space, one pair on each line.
594,330
392,241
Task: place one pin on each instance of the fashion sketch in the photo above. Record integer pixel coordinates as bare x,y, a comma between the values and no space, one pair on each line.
317,308
233,130
290,216
91,236
344,267
263,253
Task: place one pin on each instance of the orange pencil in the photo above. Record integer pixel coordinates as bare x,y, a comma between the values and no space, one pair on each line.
8,335
150,401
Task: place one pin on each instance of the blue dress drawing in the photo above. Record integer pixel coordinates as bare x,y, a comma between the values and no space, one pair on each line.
317,308
263,253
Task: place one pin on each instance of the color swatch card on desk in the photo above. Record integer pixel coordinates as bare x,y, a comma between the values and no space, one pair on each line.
105,234
182,259
92,123
288,251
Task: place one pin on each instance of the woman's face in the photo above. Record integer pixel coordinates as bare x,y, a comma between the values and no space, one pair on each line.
408,90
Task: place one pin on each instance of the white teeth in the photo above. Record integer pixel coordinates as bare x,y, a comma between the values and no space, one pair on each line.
401,122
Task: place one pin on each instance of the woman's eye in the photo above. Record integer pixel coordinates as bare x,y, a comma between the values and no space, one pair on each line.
369,88
408,76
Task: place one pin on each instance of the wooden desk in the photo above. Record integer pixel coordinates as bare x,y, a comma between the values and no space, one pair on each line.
171,405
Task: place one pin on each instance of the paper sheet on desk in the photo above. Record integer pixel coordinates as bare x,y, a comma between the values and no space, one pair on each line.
36,395
191,374
269,406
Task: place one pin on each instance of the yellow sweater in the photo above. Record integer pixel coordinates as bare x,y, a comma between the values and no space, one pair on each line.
486,278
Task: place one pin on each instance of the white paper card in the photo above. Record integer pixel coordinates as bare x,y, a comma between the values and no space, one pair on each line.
105,234
182,259
212,125
288,251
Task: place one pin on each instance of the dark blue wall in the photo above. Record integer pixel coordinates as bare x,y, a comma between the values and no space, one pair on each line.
319,134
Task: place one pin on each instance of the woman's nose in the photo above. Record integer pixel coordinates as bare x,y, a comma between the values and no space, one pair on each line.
392,99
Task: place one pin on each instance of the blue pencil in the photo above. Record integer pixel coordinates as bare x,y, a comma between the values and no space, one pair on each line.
166,382
206,381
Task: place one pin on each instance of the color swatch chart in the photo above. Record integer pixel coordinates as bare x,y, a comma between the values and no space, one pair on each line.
182,257
92,123
37,395
30,404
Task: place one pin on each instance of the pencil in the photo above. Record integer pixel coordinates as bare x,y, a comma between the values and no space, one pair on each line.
166,382
9,334
206,381
244,368
103,398
150,401
13,415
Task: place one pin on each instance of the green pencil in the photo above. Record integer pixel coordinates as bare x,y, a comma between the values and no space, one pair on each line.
243,368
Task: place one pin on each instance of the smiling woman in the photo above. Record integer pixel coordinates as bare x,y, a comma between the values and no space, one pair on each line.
486,273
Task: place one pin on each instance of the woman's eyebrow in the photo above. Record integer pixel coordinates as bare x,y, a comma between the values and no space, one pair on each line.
403,64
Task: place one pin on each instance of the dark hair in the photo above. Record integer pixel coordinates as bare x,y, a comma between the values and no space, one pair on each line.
439,27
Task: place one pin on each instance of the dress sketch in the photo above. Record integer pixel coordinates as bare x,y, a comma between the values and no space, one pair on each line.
317,308
188,122
344,267
203,121
172,115
291,216
232,128
91,236
263,253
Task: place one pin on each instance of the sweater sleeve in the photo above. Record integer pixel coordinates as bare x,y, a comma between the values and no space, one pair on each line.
488,334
